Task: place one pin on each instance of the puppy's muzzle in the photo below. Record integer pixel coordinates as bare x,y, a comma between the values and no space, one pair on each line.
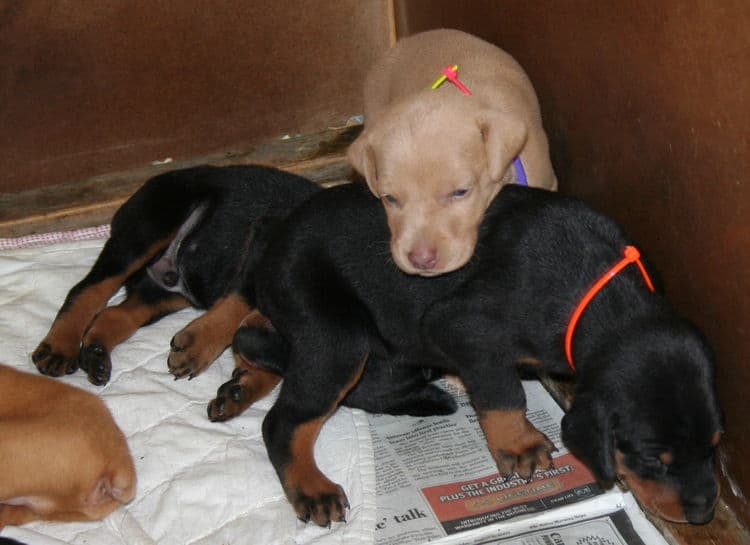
423,258
699,509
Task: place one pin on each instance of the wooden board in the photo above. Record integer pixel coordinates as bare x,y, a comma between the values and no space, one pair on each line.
320,157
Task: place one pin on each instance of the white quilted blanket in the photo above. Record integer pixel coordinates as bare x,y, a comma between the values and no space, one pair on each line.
199,483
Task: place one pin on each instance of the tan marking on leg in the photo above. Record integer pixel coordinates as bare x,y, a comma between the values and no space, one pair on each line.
259,383
115,324
94,297
255,381
249,382
203,340
515,444
64,337
658,498
258,320
312,494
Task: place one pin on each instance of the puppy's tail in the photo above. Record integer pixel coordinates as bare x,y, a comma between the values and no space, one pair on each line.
261,347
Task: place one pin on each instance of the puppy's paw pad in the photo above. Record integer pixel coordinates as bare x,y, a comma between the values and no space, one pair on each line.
190,355
53,363
232,398
182,340
94,359
525,461
321,508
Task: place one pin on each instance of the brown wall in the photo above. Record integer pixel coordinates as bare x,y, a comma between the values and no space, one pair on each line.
648,109
94,86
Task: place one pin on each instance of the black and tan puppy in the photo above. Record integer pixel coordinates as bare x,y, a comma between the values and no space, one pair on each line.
349,325
181,240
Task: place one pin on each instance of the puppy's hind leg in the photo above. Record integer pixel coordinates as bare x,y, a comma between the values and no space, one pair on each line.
255,346
141,229
145,304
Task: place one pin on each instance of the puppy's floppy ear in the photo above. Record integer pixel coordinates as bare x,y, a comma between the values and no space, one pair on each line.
362,158
504,135
588,432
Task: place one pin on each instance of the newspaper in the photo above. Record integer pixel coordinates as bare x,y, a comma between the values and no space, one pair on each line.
436,481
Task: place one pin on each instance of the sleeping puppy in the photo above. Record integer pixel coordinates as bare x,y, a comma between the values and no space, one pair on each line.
180,240
349,326
63,456
437,158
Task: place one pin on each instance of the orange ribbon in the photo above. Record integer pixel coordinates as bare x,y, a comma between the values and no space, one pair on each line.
631,255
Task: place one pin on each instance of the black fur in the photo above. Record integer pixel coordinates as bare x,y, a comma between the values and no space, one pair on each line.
645,380
233,200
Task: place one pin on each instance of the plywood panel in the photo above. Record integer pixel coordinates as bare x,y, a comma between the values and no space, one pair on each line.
89,87
321,157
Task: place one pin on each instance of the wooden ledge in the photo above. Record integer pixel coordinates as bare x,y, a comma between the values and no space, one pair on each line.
320,157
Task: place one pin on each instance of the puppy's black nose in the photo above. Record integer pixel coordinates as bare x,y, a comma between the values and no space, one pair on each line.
423,258
699,509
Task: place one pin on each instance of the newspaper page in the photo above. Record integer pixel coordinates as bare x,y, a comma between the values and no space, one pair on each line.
436,480
613,518
611,529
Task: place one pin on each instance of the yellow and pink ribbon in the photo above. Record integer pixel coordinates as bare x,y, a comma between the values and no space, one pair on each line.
450,73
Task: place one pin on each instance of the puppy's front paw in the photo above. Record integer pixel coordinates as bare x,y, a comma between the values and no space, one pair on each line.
231,398
245,388
191,352
515,444
55,361
525,461
95,361
322,505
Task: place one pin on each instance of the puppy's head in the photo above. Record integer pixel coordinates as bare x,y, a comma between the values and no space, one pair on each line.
436,162
656,431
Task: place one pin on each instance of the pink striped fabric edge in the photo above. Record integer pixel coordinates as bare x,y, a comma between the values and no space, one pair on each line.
45,239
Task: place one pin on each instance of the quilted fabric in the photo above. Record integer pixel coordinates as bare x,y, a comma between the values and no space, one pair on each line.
199,483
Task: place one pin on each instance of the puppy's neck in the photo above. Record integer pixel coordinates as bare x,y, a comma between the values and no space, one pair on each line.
622,311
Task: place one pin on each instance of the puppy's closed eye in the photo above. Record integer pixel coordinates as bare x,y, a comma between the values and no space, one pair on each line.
389,200
459,193
648,466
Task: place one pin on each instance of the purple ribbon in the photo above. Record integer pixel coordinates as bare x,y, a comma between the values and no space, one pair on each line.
520,172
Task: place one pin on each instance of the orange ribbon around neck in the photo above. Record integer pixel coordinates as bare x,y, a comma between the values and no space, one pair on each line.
631,255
